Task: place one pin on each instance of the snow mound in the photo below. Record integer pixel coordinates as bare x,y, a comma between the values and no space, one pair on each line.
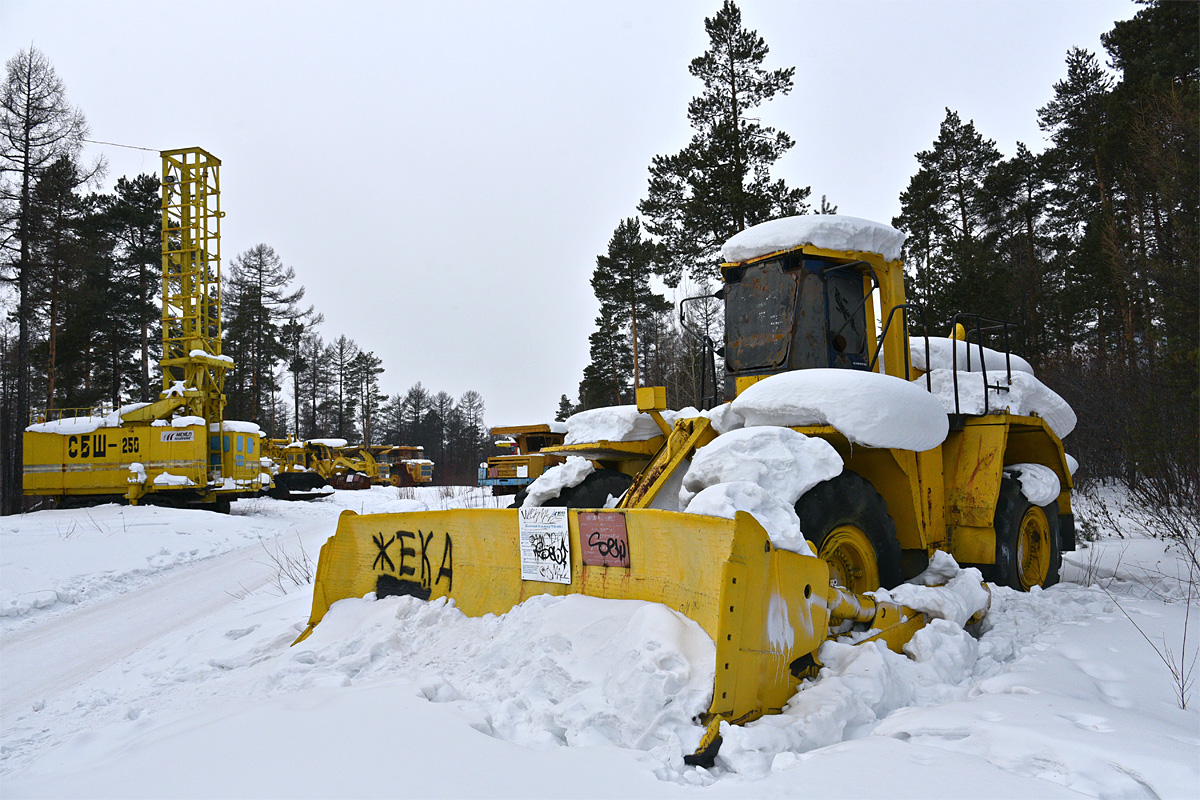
941,355
778,518
550,483
1072,463
620,424
1039,483
868,408
1026,396
943,591
786,464
610,424
552,672
828,231
723,418
333,443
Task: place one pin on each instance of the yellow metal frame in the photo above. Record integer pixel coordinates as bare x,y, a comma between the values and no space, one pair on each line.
765,609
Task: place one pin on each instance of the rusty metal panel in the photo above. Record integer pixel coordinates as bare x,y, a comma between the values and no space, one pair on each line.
759,315
604,539
973,467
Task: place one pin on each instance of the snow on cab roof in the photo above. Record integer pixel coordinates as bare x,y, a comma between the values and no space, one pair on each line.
827,231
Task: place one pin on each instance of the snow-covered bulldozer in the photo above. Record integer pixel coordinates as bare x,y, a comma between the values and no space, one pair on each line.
846,460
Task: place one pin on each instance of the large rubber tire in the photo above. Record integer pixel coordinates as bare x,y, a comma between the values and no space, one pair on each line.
849,523
593,491
1028,551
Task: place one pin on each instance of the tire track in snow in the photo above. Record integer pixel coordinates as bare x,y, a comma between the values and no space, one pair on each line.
45,659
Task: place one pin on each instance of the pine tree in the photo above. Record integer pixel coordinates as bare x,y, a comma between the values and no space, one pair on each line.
367,367
945,206
37,125
565,409
133,214
259,302
720,183
621,282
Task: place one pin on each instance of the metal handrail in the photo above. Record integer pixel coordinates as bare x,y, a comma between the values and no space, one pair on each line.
907,359
979,330
708,351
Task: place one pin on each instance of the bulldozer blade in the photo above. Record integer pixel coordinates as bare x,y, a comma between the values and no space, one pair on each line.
765,609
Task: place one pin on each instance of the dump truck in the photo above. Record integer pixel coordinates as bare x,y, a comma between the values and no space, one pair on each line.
819,298
408,466
512,471
179,449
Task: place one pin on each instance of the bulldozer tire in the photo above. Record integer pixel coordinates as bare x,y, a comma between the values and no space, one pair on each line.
849,523
593,491
519,499
1028,552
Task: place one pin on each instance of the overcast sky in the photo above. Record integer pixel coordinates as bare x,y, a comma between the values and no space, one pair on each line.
442,175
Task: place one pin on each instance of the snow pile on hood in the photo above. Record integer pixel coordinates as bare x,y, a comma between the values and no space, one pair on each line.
333,443
619,424
943,591
1026,396
610,424
786,464
178,422
550,483
78,425
554,671
941,355
1039,483
868,408
828,231
778,518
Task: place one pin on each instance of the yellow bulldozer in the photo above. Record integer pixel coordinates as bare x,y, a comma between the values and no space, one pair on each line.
816,340
179,449
303,467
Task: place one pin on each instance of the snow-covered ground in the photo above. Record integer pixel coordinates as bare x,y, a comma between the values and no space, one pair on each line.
144,652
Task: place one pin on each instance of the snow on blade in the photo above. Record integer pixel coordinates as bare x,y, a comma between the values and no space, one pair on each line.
828,231
868,408
778,518
941,355
552,672
550,483
786,464
1026,396
1039,483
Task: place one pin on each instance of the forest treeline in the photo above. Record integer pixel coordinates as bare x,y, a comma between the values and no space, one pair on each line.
81,327
1089,247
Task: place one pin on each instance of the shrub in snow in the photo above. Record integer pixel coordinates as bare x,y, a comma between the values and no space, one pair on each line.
1026,396
551,482
941,356
866,407
1039,483
783,462
829,231
778,518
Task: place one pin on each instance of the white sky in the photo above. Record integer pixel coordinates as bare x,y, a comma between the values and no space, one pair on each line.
442,176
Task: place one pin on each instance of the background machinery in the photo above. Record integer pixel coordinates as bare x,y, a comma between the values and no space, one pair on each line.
514,470
180,448
799,304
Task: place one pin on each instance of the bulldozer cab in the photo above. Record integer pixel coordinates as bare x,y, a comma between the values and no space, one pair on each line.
796,311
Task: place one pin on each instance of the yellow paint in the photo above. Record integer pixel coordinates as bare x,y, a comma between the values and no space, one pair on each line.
743,382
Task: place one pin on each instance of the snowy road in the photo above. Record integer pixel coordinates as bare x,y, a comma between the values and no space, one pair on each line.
42,660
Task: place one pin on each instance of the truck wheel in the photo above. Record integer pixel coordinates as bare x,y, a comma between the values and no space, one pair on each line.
593,491
1027,546
849,523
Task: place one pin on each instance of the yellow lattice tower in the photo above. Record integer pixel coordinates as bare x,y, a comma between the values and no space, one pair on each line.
191,271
